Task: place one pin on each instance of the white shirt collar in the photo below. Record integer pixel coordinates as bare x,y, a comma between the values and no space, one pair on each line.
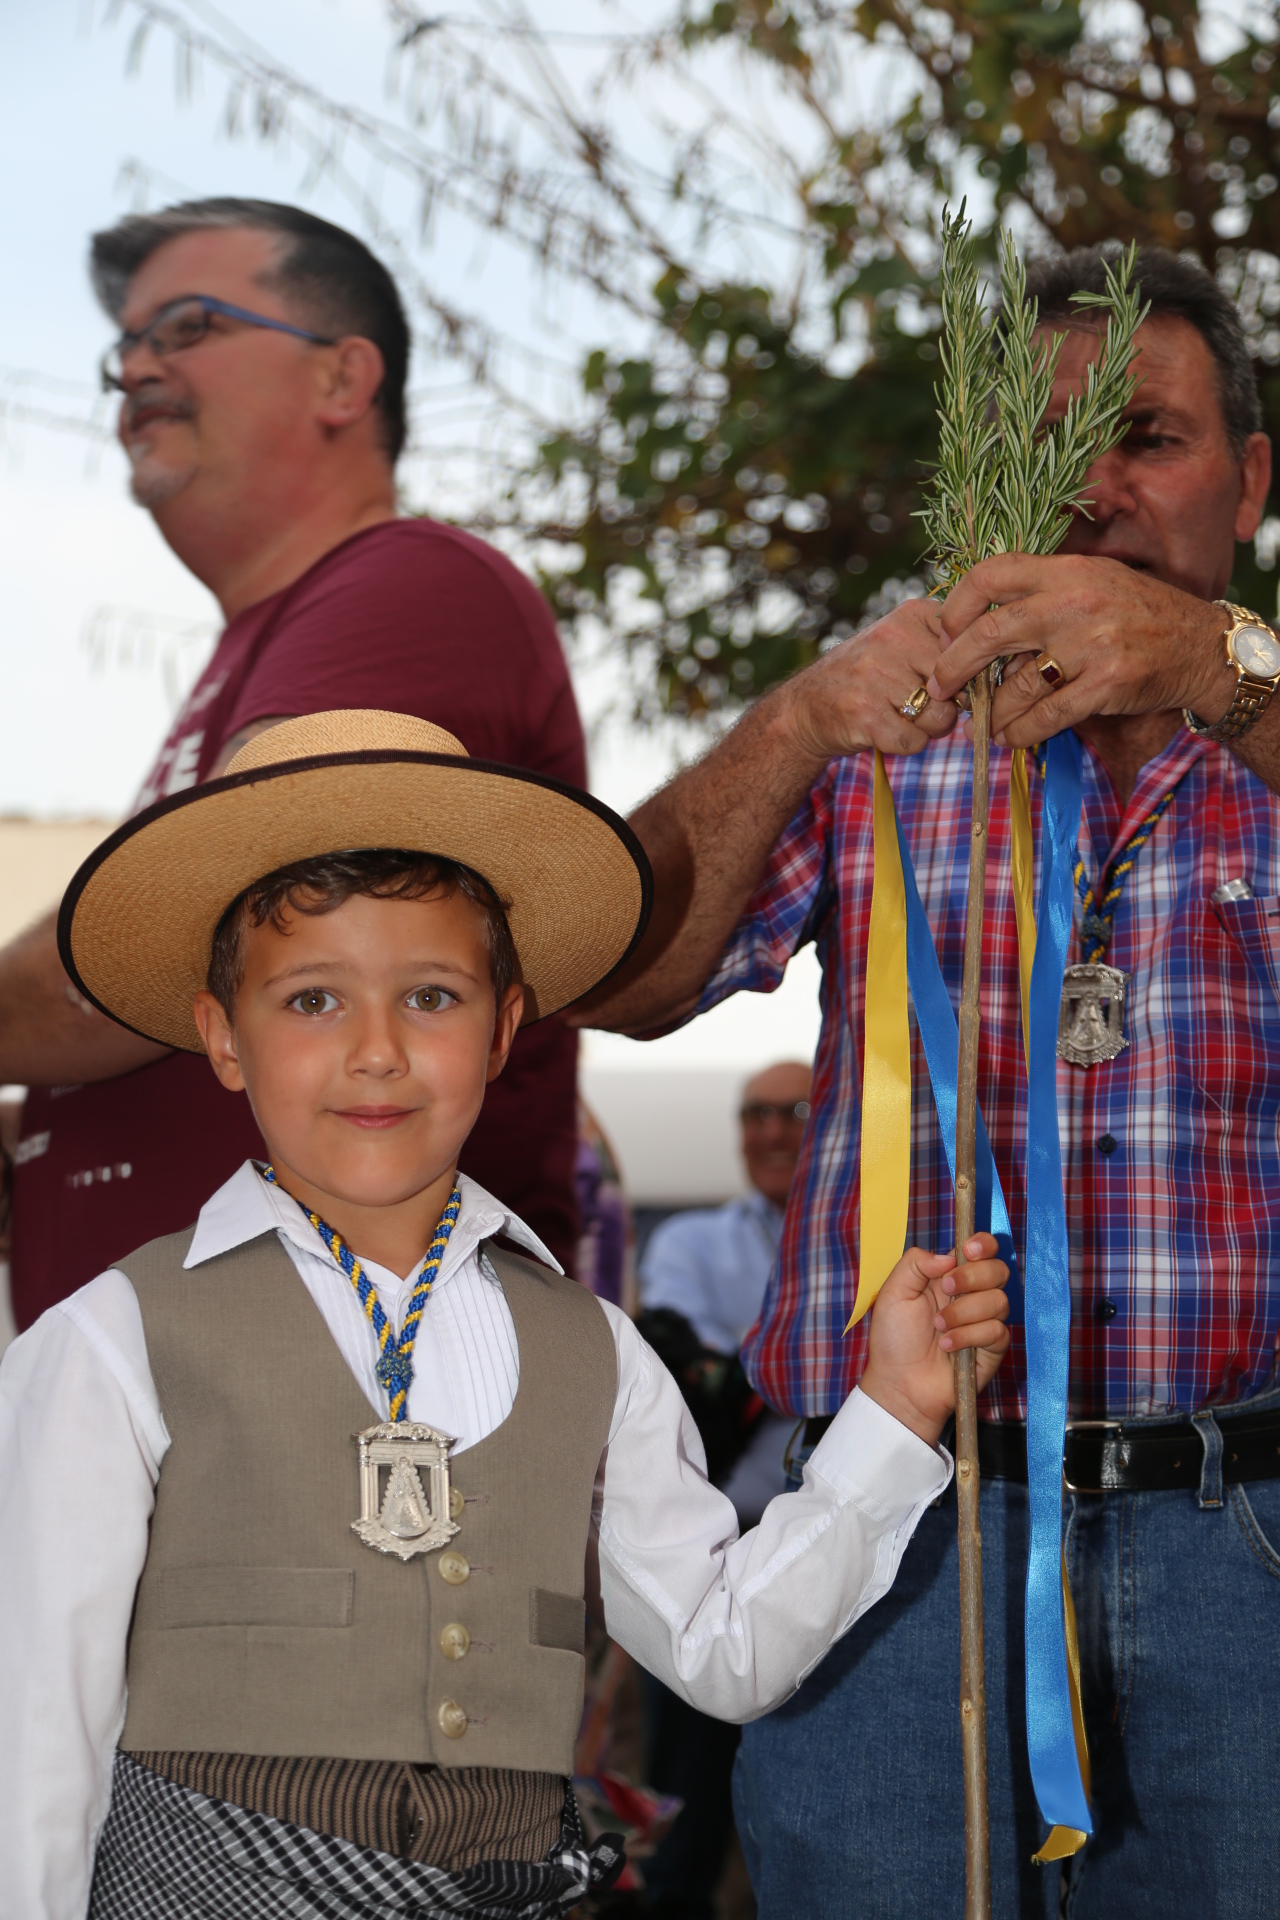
247,1206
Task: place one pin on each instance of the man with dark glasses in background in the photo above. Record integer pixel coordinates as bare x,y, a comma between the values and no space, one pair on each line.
261,360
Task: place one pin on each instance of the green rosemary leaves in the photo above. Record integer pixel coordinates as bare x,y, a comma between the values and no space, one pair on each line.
1004,483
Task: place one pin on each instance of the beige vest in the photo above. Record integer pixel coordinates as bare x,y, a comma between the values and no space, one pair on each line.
263,1624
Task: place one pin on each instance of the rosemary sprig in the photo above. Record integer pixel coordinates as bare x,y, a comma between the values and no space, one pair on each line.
962,513
1003,483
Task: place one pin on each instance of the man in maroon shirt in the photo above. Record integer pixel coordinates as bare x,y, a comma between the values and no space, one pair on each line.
262,365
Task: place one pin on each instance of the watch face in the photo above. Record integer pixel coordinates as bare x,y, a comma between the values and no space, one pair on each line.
1257,651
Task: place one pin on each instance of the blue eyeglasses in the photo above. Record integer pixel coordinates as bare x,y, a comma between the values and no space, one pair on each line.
183,323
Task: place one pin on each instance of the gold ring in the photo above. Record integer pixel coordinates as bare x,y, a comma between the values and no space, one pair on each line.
1050,671
914,704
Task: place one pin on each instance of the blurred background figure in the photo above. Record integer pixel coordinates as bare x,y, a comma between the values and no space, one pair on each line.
708,1268
610,1759
605,1261
702,1282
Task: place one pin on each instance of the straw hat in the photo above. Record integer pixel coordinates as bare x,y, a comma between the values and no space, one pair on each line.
137,922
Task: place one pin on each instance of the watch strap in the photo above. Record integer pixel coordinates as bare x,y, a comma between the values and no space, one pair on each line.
1252,696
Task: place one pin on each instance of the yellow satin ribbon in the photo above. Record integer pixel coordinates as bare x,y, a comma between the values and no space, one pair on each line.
1023,893
886,1062
1062,1841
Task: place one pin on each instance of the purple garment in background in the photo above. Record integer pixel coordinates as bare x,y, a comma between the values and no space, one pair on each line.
602,1251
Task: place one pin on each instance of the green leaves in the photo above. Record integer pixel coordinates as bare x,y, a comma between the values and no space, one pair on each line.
1092,422
1026,459
1004,482
963,509
735,501
796,514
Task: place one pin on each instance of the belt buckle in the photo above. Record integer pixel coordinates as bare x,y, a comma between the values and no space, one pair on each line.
1114,1456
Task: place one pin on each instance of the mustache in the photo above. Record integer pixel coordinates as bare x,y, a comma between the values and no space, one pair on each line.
154,400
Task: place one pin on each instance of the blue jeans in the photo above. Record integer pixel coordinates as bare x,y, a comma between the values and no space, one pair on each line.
848,1798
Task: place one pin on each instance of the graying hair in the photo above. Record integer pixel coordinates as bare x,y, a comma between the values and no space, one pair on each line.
336,284
1178,289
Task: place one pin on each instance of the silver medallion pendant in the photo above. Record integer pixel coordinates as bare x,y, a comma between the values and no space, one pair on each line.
403,1516
1091,1019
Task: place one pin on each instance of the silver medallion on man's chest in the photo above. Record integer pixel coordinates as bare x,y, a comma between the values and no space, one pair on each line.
410,1510
1091,1016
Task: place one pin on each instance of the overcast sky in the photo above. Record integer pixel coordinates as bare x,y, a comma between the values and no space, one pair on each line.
99,625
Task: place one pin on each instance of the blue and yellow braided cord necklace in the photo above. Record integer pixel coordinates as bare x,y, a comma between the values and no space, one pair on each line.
1098,923
395,1355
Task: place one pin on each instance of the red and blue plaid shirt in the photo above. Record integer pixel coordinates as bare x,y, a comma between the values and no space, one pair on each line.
1171,1152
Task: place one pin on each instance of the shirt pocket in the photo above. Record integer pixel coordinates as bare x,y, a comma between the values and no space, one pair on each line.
225,1596
1253,927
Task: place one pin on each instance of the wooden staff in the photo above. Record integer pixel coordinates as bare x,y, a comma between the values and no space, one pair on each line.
973,1691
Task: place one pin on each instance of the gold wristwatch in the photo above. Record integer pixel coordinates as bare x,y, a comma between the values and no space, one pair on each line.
1254,651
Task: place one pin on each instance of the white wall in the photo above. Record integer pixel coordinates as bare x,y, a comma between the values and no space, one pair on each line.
670,1106
37,858
674,1131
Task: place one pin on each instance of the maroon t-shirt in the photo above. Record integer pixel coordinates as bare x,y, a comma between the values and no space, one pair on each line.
411,617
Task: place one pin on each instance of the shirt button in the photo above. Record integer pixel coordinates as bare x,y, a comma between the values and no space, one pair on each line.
1106,1310
453,1719
456,1504
455,1641
1107,1144
454,1568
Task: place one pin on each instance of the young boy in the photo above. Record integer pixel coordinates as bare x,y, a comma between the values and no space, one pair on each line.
295,1506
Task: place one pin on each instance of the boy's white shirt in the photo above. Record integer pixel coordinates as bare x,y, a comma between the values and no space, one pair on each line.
731,1624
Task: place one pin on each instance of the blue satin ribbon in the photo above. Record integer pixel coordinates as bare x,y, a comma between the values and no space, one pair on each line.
935,1016
1055,1767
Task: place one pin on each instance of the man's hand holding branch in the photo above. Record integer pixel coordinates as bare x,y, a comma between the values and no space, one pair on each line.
854,697
1084,636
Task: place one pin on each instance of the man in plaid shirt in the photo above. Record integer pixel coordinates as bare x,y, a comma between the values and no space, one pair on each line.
849,1797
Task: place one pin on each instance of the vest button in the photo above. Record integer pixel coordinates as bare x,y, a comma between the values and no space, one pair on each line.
453,1719
456,1504
454,1568
455,1641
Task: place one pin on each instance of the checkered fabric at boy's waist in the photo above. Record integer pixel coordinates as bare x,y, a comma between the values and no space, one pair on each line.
167,1852
1171,1152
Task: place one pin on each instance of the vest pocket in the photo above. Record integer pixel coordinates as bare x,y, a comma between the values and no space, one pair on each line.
557,1620
256,1596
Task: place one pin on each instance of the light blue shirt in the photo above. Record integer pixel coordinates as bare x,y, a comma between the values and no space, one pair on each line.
713,1265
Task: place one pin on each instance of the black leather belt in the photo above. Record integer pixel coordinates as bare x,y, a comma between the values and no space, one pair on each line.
1105,1456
